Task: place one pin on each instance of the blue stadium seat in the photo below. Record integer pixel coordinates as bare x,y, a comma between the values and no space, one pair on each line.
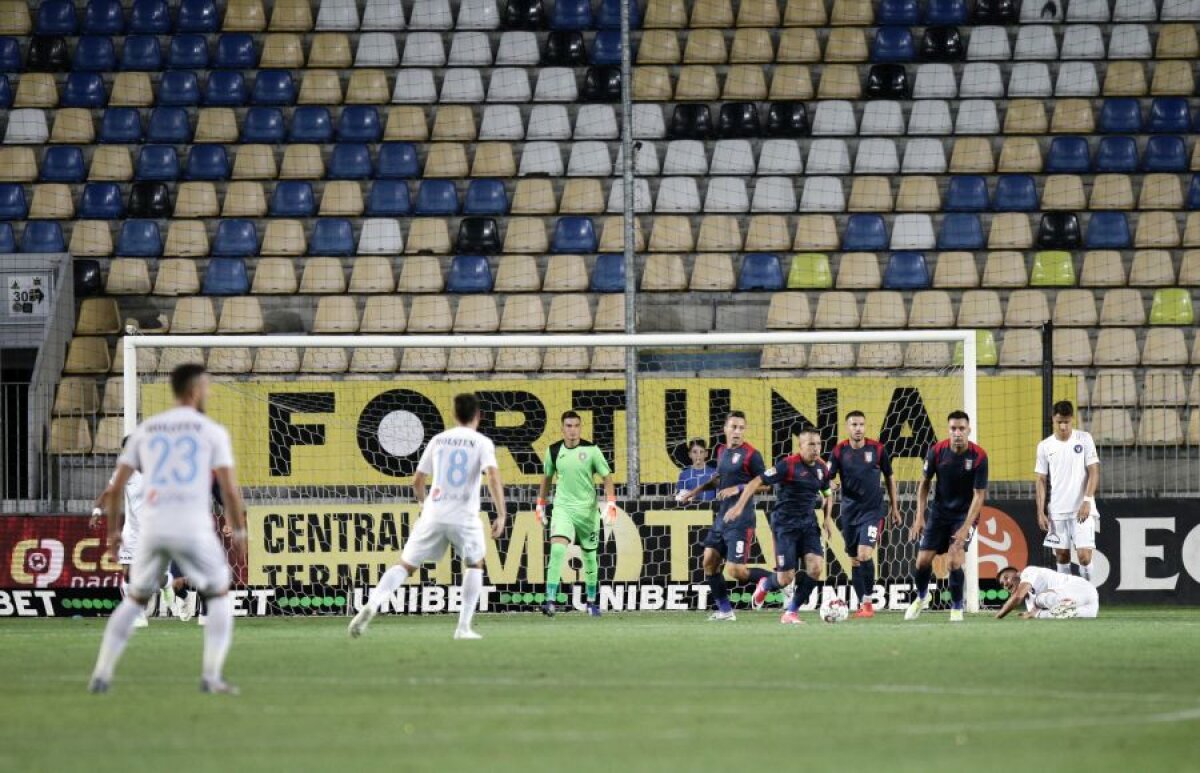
12,202
486,197
898,13
207,162
469,274
10,55
574,235
225,89
264,125
436,197
608,275
1068,154
169,125
760,271
1108,231
608,17
961,231
359,123
235,239
158,163
332,236
311,124
226,276
1193,194
139,239
293,198
180,88
56,17
865,233
967,193
6,94
94,53
1116,154
274,87
571,15
84,89
1165,153
1121,115
43,236
948,13
388,198
120,125
101,201
188,52
1169,115
142,53
150,17
63,164
349,161
8,242
606,48
906,271
398,160
103,17
235,51
893,44
198,16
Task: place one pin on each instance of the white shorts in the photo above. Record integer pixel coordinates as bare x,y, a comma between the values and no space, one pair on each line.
1067,533
1087,600
201,558
430,536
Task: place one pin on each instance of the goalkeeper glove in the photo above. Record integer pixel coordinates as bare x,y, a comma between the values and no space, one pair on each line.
539,510
610,510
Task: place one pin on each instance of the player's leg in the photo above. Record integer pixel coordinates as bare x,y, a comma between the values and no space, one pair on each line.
125,559
587,535
935,539
184,603
787,558
562,534
739,542
469,545
1083,538
147,568
426,542
865,565
206,566
1088,603
806,542
1063,530
958,578
714,577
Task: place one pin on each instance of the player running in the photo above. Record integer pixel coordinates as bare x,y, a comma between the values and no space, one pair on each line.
858,462
801,488
729,540
1048,594
177,451
961,468
130,529
454,460
575,462
1068,462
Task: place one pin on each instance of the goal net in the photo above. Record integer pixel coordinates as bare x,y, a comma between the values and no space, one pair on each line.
327,432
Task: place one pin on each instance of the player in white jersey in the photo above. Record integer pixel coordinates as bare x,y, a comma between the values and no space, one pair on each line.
130,530
453,462
1068,462
177,452
1048,594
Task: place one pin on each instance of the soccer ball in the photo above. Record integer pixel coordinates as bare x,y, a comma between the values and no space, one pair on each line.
835,611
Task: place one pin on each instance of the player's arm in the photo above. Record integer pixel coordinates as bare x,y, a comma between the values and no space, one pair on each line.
1089,493
1039,494
978,497
922,498
1018,597
683,497
827,506
114,505
419,487
235,510
748,492
889,480
496,489
610,498
98,507
539,509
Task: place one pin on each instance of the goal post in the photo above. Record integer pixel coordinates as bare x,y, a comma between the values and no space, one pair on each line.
301,451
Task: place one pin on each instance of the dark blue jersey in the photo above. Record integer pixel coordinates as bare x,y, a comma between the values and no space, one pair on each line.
860,470
798,487
958,475
736,467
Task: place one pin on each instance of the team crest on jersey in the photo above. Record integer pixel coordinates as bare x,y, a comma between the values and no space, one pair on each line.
583,456
770,473
436,494
869,456
737,457
968,464
820,474
1078,449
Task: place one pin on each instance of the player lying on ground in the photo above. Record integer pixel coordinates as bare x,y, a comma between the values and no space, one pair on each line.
729,540
1068,463
801,488
1047,594
177,452
859,462
574,519
961,469
453,462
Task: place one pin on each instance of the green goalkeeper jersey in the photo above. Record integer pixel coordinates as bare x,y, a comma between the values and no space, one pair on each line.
575,468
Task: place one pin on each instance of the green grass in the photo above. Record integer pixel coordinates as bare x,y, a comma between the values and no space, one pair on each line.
640,691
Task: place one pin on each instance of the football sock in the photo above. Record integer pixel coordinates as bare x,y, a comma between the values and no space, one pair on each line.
1085,571
720,591
393,578
773,582
471,586
866,573
558,557
1064,568
116,636
921,580
758,574
182,593
958,578
856,581
804,589
591,574
218,633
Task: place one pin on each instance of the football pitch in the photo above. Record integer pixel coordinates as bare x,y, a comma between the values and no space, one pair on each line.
629,692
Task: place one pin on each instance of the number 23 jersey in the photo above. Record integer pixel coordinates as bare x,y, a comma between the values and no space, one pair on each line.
454,461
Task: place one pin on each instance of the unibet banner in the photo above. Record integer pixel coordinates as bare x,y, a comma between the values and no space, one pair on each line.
349,433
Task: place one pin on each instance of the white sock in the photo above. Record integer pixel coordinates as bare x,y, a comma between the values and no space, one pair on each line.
393,578
218,633
472,585
1064,568
1085,571
116,636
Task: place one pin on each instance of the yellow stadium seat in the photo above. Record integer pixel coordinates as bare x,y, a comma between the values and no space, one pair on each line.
1116,348
371,274
719,233
1073,116
1072,348
758,13
18,165
244,16
847,44
980,308
1189,268
284,238
805,13
446,159
972,155
147,359
1159,427
87,356
831,356
336,314
476,314
659,46
1114,388
111,163
1063,191
90,239
517,274
1173,77
52,201
1160,191
131,89
697,83
429,236
320,87
870,194
14,18
752,46
330,50
216,124
368,87
196,199
70,436
1111,427
712,272
423,360
745,82
230,360
1020,154
1125,79
384,314
430,314
36,90
1161,388
918,193
470,360
1020,348
276,360
72,126
342,198
302,162
1164,347
177,276
526,235
1123,307
798,46
816,233
789,311
1152,268
927,355
420,274
1191,230
582,196
569,314
672,233
1102,268
323,276
112,402
1026,116
406,123
840,81
373,359
858,271
241,315
1111,191
668,14
565,274
956,269
283,50
254,162
791,81
193,316
291,16
884,309
1177,41
837,310
664,273
1005,268
880,355
534,196
523,314
705,46
610,317
454,123
652,84
768,233
612,235
1010,231
1075,308
274,276
931,309
784,357
711,13
127,276
76,397
494,159
852,12
1156,229
244,198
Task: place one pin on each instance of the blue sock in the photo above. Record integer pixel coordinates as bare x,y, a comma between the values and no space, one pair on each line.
757,574
773,582
957,579
804,589
866,573
856,581
921,580
720,591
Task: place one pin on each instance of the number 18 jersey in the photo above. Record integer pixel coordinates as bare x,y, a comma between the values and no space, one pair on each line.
454,461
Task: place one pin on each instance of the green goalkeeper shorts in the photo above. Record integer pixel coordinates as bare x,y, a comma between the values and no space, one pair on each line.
579,526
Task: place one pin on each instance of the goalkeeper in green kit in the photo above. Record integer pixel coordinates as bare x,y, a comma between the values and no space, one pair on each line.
576,518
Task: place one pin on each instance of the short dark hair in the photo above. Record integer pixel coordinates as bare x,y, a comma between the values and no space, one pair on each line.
184,377
697,441
466,407
959,415
1064,408
854,414
570,415
1000,573
736,415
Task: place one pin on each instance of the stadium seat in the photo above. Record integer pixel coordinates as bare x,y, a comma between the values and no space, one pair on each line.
436,197
608,274
56,17
1060,230
332,236
226,276
388,198
235,239
760,271
485,197
188,52
1120,116
1152,268
1108,230
139,239
967,193
906,271
1164,154
960,231
858,271
469,274
1172,306
478,235
1116,154
103,17
574,235
865,233
94,54
380,236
